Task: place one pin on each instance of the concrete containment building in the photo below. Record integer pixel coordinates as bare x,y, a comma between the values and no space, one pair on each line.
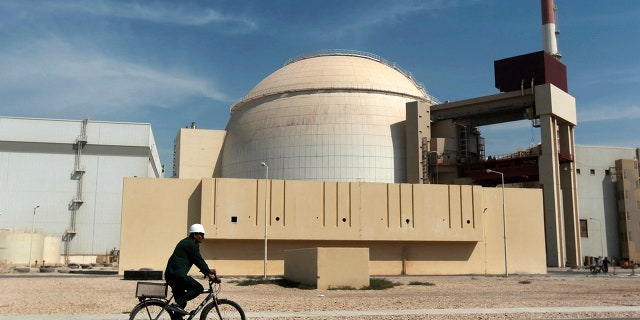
335,115
63,178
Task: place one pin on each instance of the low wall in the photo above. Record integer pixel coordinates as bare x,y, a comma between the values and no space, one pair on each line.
408,229
327,268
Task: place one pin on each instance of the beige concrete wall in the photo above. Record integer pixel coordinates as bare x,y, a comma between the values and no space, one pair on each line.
155,216
629,219
525,230
417,128
409,229
551,100
325,267
301,265
312,210
343,267
196,149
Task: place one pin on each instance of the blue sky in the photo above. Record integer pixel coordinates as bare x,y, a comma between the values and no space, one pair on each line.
169,63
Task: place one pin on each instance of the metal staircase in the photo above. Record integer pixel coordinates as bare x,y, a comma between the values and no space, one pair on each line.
463,143
77,200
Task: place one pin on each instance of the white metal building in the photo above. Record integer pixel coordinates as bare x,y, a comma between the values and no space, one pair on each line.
64,178
598,198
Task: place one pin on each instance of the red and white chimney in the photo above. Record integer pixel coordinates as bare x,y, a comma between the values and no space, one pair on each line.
549,32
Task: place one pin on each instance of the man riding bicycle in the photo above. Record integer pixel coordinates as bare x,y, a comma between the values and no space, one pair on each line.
185,255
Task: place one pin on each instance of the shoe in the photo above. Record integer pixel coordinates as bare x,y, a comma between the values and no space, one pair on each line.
176,309
175,316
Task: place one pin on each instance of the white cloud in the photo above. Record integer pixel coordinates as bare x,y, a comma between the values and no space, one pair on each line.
49,77
162,14
609,113
396,10
621,73
172,13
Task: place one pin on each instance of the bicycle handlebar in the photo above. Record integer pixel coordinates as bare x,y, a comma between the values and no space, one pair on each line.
215,278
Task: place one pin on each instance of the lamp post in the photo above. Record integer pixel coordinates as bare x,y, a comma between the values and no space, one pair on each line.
33,221
266,202
601,237
504,223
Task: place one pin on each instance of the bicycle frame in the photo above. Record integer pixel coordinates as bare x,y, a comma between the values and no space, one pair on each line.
211,295
144,301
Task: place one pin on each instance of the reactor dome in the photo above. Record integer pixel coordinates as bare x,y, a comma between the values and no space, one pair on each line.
334,116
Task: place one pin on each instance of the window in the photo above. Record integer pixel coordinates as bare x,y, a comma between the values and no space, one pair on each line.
607,172
592,171
584,230
578,171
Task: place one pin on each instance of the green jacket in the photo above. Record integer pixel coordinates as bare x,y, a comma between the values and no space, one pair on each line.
185,255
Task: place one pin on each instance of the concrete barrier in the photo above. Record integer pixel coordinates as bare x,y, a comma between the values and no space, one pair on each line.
327,268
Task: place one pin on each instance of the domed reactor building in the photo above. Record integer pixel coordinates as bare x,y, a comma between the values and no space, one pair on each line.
335,115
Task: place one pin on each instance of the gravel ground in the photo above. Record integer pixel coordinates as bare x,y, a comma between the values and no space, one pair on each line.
57,294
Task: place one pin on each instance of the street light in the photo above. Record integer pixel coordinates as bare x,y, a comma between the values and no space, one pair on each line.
504,223
33,221
266,202
601,237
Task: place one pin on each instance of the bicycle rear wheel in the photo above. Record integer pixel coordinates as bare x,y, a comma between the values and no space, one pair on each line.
228,310
150,309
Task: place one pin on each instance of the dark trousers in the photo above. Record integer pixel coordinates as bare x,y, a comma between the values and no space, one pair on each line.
184,289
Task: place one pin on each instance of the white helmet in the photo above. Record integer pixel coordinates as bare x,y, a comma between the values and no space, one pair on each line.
196,228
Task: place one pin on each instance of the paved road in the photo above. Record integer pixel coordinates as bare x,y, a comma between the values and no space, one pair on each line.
347,314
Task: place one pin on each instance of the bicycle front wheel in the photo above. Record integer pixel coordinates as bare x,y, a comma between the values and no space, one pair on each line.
150,309
228,310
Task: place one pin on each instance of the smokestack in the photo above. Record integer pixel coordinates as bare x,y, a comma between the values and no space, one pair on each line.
549,32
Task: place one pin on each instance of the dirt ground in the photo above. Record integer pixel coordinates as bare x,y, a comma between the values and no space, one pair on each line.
42,294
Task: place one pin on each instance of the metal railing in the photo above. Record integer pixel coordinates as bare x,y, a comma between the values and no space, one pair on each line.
338,52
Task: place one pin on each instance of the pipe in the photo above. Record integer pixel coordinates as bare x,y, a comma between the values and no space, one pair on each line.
266,215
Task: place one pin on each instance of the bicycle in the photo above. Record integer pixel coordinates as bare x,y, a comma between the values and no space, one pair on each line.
154,304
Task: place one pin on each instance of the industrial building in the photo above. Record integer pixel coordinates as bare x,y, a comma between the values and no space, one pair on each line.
354,153
309,121
344,149
61,186
609,194
352,120
333,150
